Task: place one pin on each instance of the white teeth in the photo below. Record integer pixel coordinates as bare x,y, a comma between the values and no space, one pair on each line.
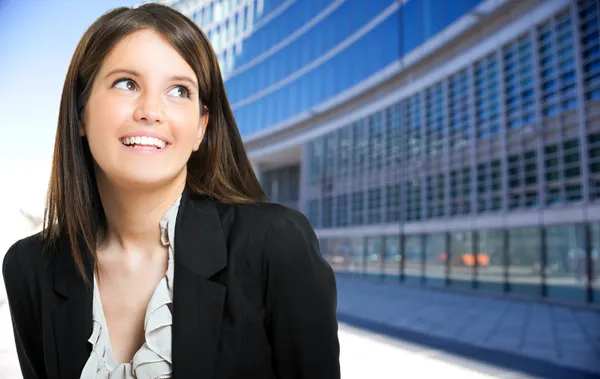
145,141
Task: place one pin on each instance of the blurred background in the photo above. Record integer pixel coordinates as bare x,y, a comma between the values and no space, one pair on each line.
447,153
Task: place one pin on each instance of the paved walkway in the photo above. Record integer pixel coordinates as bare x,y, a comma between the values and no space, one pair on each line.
536,339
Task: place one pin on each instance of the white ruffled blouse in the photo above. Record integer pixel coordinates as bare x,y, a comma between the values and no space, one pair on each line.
153,359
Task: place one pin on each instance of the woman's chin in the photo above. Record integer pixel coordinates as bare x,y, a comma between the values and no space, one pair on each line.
145,179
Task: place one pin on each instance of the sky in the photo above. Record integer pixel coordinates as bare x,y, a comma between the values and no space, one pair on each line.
37,40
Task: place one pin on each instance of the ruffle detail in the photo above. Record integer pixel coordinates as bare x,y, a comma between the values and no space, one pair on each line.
154,359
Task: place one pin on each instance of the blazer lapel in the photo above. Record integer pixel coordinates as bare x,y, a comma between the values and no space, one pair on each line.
198,302
72,318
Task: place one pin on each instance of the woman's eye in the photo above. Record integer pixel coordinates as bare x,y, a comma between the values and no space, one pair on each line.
179,91
126,85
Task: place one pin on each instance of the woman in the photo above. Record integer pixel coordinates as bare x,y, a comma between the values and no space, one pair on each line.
157,230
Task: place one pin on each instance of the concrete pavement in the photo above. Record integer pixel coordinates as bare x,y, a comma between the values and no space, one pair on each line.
532,338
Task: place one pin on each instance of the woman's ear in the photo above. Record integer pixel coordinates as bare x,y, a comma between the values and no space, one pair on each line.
81,128
201,129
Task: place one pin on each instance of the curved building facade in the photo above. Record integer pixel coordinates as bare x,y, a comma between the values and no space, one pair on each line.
448,143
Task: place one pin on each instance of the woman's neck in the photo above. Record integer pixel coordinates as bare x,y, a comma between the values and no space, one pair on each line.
133,216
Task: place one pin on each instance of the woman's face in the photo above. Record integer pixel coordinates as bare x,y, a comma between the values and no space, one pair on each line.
142,119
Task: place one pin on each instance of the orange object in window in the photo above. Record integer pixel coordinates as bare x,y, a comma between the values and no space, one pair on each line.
468,260
483,259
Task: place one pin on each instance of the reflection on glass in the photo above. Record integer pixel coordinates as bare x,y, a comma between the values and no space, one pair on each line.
391,259
435,259
524,269
412,259
462,259
566,269
374,255
340,254
358,253
595,234
490,271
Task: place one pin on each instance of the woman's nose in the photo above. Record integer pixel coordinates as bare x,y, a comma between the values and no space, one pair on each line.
149,109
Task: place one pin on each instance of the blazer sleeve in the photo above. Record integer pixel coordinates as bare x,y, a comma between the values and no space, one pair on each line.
27,335
300,301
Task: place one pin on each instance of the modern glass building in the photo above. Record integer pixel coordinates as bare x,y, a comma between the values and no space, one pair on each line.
448,143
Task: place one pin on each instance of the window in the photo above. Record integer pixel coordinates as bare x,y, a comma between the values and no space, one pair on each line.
360,138
316,150
327,212
518,83
435,259
393,143
459,130
329,164
492,259
376,141
458,111
566,262
556,60
460,191
462,259
563,172
489,186
413,201
522,180
413,258
313,213
344,151
342,211
524,256
374,206
393,203
413,127
590,45
434,107
486,100
435,195
594,166
357,208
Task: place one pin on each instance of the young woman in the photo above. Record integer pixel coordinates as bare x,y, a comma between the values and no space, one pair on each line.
160,257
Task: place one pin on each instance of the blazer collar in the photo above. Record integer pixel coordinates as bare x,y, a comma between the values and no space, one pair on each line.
198,302
72,318
200,254
199,242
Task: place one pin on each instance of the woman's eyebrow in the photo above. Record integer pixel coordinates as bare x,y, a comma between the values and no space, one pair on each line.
181,78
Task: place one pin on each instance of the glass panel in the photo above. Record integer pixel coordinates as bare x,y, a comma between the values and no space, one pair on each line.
374,255
566,262
595,234
433,17
413,263
524,261
392,257
462,259
490,260
358,253
435,259
412,25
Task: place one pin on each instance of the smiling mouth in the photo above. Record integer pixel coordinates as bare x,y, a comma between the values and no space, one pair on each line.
149,143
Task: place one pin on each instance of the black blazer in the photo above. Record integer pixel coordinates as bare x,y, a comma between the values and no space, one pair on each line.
253,298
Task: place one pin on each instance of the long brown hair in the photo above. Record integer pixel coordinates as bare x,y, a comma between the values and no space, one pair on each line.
219,169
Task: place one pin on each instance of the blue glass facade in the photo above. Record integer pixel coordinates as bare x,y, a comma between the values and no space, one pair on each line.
511,132
306,52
